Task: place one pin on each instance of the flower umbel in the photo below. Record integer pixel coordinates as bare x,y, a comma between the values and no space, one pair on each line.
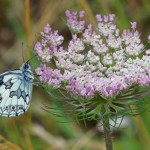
74,21
99,66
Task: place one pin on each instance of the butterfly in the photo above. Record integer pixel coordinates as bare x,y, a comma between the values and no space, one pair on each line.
16,90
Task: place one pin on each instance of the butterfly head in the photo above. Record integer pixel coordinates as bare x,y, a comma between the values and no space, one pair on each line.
26,69
25,66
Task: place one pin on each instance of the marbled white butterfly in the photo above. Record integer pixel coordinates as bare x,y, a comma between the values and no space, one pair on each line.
16,91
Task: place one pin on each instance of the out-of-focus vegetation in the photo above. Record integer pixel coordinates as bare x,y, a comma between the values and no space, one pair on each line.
20,21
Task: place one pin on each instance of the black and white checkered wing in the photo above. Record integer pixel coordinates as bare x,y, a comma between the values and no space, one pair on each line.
15,92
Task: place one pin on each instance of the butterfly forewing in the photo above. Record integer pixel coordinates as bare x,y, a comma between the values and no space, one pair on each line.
15,91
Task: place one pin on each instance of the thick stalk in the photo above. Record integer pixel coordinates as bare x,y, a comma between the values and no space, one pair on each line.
107,133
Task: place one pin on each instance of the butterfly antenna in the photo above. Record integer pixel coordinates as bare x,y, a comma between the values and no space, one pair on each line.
23,53
29,59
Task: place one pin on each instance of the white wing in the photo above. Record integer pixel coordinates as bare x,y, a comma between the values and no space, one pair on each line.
15,93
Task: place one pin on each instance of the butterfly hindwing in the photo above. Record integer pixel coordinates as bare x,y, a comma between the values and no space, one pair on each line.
15,91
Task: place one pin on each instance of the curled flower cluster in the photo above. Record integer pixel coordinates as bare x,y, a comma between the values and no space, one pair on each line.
74,21
103,61
48,45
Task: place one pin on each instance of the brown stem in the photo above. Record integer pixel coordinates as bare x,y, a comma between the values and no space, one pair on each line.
107,133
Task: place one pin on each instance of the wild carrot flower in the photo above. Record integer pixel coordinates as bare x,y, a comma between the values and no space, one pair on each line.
99,64
74,21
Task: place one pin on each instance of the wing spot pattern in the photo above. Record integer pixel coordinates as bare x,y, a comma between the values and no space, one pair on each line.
18,93
1,80
12,108
8,84
1,98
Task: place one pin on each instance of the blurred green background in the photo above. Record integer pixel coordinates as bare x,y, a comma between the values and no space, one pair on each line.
21,21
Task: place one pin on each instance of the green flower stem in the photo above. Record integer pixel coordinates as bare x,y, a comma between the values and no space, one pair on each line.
107,133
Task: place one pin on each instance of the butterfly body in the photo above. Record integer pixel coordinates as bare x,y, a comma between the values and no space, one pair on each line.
16,91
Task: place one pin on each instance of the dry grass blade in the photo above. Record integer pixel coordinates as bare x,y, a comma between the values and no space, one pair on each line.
6,145
55,142
86,140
